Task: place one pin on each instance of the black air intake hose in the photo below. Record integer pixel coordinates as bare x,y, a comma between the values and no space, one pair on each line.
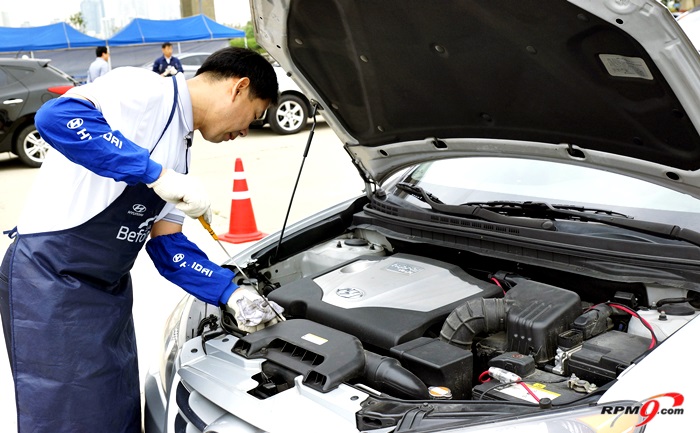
472,318
387,375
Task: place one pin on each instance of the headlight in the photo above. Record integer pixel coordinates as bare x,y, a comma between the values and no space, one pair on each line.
173,339
586,420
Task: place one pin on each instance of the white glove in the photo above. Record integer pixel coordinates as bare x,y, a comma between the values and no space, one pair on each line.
251,311
186,192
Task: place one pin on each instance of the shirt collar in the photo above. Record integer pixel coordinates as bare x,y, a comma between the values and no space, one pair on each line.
185,100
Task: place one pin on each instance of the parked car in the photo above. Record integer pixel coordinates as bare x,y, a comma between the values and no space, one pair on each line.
25,84
690,23
190,62
293,110
526,256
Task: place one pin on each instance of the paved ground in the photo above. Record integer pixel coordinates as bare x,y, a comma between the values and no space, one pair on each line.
271,164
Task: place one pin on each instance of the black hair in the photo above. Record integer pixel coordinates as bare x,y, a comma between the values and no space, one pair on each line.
237,62
100,50
166,44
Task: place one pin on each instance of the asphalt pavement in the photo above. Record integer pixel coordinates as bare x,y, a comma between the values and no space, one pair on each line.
271,164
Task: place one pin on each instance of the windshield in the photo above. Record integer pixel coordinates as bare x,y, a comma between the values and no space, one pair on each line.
464,180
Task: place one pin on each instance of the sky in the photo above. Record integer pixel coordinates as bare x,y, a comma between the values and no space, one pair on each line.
14,13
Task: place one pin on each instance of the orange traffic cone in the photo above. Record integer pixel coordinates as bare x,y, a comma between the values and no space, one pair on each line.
242,227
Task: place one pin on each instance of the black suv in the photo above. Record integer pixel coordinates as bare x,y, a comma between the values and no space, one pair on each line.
25,84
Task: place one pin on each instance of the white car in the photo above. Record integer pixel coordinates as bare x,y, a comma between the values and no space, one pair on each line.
527,253
292,111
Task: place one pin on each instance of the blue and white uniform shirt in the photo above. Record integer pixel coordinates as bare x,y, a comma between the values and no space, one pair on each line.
100,160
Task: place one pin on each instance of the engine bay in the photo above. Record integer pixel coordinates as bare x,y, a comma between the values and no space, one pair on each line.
417,321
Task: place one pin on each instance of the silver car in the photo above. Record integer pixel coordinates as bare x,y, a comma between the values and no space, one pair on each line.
527,253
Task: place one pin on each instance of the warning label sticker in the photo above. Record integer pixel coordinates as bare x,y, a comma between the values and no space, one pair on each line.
518,391
626,67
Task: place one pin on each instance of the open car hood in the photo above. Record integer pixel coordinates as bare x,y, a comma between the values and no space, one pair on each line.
613,84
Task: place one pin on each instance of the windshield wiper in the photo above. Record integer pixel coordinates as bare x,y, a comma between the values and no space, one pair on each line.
543,209
586,214
478,212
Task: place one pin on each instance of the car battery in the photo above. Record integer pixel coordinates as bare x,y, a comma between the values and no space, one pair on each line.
541,383
603,357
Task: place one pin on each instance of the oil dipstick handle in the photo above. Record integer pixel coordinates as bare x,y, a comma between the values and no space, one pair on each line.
206,225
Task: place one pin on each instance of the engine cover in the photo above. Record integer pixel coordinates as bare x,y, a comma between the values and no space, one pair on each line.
383,301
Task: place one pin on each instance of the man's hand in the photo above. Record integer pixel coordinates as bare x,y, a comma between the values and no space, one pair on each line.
186,192
251,311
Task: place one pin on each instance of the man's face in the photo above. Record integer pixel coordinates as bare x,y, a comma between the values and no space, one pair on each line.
168,51
233,118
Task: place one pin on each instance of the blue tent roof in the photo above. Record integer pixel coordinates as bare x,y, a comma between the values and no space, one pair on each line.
195,28
51,37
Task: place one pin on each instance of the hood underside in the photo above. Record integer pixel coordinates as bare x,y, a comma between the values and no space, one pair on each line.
619,79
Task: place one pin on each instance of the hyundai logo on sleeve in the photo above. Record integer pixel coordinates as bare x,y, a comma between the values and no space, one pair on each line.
177,258
75,123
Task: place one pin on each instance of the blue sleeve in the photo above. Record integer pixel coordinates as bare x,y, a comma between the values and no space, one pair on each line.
182,262
78,130
156,66
178,64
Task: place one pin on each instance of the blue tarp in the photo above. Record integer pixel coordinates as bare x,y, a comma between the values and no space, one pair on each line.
195,28
51,37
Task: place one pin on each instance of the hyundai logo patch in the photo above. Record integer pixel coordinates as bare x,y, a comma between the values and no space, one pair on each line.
75,123
350,293
139,208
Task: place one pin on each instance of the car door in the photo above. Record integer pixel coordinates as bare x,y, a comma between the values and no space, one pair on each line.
13,96
191,64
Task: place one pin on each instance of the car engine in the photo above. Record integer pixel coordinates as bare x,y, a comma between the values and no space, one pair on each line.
419,322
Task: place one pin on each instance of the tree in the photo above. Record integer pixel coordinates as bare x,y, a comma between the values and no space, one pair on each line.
78,21
249,38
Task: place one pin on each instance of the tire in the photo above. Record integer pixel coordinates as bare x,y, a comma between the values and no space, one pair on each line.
30,147
289,116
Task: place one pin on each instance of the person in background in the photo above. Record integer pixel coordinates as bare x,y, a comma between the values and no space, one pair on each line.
167,65
100,66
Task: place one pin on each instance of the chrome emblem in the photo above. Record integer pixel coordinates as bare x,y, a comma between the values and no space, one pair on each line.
139,208
178,257
75,123
350,293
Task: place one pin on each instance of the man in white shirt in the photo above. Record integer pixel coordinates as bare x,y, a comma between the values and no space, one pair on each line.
100,66
116,176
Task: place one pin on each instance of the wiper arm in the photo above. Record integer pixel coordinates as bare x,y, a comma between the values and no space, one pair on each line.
543,209
478,212
584,214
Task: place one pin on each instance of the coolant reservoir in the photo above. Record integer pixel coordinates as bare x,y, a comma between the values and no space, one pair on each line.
337,251
663,324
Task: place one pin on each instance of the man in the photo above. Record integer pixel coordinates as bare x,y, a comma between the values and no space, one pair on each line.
100,66
121,148
167,65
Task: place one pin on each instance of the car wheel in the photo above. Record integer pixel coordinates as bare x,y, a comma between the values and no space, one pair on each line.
30,147
289,116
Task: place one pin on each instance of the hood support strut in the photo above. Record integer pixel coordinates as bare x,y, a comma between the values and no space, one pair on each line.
301,168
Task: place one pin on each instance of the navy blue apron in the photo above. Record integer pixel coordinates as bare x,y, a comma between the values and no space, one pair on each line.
66,304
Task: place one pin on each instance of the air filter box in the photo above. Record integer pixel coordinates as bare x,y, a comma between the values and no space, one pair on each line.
538,313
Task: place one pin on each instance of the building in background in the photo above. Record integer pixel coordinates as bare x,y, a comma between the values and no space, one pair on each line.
93,12
189,8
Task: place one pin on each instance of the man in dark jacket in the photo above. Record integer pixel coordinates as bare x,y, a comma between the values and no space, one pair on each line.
167,65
